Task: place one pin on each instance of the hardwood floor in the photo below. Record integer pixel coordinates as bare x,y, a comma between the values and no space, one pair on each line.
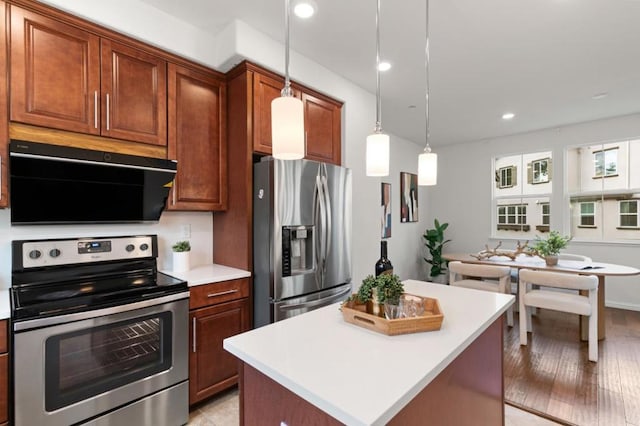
553,376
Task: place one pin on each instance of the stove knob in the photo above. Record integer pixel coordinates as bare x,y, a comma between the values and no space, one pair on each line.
54,252
144,247
35,254
129,247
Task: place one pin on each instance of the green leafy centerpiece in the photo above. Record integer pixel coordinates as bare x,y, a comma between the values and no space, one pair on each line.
549,248
376,291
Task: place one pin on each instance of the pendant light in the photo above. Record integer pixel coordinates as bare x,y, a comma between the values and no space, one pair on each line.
378,142
287,114
427,161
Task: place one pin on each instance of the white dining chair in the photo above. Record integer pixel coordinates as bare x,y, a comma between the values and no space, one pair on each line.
571,256
574,303
482,277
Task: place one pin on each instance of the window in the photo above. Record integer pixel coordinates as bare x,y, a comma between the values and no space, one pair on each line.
546,211
629,214
513,217
516,199
606,162
507,177
602,184
588,214
540,171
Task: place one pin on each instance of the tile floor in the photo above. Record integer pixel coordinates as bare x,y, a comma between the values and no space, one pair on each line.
223,411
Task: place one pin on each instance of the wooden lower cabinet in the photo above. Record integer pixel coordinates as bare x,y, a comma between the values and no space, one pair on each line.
211,368
4,374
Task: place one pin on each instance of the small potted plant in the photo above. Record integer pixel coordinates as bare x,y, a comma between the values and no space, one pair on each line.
376,291
434,240
181,251
548,249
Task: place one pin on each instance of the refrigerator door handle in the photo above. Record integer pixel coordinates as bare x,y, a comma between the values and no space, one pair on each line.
317,214
327,233
323,226
311,304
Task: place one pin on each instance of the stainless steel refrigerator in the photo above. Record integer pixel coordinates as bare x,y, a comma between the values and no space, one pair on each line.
302,237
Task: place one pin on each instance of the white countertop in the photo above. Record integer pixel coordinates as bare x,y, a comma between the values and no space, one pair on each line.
206,274
5,304
345,370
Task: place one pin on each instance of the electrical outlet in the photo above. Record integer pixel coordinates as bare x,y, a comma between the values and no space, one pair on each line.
185,231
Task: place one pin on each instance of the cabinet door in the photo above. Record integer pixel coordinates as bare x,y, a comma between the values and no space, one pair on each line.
197,139
322,127
4,115
4,388
265,90
4,371
55,73
134,94
211,368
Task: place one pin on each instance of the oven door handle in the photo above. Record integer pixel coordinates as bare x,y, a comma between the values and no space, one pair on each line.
62,319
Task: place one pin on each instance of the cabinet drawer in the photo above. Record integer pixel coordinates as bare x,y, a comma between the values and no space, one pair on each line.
224,291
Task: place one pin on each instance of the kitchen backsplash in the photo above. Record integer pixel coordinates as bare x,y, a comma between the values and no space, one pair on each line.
197,227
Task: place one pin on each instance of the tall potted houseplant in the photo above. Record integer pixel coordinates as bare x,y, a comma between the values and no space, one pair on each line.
434,240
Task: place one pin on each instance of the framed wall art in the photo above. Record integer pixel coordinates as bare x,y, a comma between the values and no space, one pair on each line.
408,197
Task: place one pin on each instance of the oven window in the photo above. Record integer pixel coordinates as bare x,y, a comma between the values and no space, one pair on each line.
81,364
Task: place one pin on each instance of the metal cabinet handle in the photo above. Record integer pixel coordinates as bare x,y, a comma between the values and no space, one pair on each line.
173,191
0,177
107,111
193,334
222,293
95,109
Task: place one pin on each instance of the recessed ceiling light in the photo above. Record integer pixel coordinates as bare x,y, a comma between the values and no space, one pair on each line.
600,95
384,66
508,115
304,9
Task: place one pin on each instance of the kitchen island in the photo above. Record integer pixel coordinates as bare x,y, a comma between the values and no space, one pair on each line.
318,369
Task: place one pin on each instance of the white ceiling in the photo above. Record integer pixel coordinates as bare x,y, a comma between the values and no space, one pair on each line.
541,59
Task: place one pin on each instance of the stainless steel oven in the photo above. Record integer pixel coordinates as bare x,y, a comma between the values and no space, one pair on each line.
99,347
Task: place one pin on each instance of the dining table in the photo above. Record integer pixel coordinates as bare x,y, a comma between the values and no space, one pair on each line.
522,261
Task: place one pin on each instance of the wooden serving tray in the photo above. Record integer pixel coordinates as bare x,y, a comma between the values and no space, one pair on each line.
430,320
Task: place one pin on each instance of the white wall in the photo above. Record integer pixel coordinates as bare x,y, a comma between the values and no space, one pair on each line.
168,229
463,194
239,41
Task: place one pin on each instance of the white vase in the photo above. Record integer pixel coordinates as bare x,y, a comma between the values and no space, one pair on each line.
181,261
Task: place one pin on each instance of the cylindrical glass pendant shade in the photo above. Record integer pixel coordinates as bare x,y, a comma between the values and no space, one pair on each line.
378,154
427,168
287,128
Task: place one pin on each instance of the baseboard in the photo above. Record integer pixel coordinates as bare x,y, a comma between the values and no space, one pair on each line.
627,306
540,414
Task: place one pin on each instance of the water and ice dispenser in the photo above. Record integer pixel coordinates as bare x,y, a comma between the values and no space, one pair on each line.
297,250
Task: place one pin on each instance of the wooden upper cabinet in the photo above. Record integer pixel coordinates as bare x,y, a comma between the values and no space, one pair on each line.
134,88
55,74
4,114
322,118
197,139
66,78
265,90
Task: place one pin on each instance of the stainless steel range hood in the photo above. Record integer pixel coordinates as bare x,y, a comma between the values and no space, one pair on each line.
53,184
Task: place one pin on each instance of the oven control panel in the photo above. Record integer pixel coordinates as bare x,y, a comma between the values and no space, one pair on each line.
36,254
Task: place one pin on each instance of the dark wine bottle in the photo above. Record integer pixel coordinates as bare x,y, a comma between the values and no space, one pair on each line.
383,265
